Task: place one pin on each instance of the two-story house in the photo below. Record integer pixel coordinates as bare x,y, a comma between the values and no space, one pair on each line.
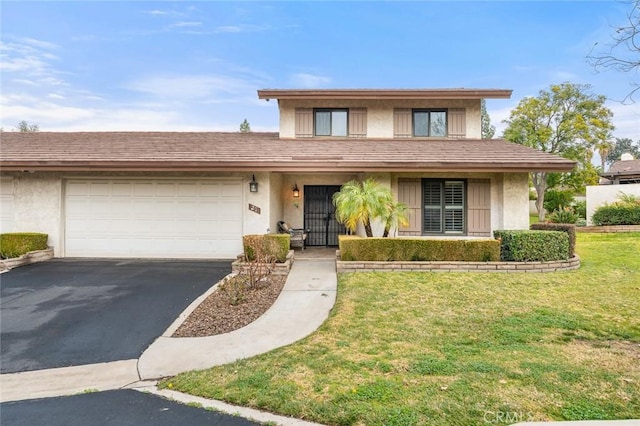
193,195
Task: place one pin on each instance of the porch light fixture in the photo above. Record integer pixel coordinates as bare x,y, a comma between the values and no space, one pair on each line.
253,185
296,191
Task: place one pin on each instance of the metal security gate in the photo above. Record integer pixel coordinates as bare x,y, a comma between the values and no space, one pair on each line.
320,216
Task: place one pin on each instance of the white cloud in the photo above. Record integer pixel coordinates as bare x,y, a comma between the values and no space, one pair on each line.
308,81
55,96
559,76
179,87
241,28
39,44
626,118
186,24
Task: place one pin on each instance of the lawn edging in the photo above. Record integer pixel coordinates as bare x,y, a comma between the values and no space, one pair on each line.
415,266
240,265
27,258
608,228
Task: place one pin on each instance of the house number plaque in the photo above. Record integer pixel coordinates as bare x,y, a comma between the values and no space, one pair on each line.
253,208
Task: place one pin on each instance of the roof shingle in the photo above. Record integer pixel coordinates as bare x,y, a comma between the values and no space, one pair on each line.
140,151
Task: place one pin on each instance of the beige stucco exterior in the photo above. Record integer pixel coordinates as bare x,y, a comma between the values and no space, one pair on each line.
38,202
380,113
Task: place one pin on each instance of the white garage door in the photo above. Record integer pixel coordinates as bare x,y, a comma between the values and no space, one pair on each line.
153,218
6,204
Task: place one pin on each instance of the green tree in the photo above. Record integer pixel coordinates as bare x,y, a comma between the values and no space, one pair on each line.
565,120
487,129
245,127
620,146
25,126
361,202
622,52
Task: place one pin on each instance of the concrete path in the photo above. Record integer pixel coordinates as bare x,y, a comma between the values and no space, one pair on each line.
304,304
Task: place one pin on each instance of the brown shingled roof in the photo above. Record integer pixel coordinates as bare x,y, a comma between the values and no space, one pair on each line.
171,151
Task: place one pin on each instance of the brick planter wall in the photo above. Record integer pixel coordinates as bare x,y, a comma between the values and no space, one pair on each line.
509,267
280,268
608,229
27,258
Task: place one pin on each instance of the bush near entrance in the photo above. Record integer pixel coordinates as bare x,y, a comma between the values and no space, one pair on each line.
274,246
353,248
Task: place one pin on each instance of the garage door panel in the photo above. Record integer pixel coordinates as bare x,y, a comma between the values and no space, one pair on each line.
153,218
6,204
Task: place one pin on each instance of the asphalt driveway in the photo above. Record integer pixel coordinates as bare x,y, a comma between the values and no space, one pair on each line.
68,312
117,408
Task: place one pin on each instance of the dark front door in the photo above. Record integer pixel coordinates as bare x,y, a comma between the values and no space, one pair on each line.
320,215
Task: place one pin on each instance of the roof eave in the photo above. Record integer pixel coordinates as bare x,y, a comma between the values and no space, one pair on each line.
284,166
339,94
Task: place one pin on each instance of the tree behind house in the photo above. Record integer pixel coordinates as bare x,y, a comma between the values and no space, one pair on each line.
25,126
487,129
565,120
621,146
245,127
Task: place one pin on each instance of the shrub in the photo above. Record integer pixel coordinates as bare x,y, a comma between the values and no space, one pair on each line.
533,246
563,215
234,288
555,199
409,249
564,227
17,244
616,215
580,208
275,246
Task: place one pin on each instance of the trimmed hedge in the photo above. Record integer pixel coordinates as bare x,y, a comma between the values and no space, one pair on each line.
533,246
16,244
569,228
353,248
617,215
276,245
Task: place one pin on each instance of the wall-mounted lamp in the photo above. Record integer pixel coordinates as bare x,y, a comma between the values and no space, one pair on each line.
253,185
296,191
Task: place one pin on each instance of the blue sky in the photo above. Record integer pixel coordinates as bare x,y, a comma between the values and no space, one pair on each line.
72,66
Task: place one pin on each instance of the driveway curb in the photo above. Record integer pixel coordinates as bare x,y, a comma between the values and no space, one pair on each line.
68,380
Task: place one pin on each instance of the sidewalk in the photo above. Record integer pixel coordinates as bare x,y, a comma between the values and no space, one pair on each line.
304,304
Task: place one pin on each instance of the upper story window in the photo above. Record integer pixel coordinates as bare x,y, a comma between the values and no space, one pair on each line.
330,122
447,123
429,123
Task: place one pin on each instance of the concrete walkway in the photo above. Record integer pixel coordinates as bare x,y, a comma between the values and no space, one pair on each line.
304,304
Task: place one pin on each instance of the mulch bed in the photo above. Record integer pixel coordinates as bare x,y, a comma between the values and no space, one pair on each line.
217,316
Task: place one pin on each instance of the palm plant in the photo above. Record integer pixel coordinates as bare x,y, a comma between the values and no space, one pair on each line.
397,215
361,202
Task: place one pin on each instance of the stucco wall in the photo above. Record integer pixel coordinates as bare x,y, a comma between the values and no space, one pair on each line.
37,205
275,210
379,113
515,201
601,194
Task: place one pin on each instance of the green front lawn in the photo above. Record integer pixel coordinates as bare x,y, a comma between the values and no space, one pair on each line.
459,348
